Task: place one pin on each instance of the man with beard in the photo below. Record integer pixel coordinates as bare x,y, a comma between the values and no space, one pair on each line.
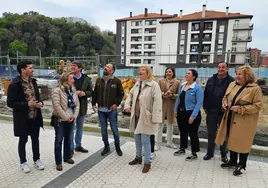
108,94
24,98
213,94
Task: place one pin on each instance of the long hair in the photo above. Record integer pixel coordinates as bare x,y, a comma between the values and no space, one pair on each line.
173,70
149,72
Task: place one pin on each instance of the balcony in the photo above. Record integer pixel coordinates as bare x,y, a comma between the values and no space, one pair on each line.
194,39
239,49
242,39
243,26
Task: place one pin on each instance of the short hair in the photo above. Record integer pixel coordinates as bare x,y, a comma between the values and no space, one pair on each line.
113,66
172,69
248,72
227,64
195,73
149,72
23,65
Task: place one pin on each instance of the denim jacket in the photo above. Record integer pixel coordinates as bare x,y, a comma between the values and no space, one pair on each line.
193,98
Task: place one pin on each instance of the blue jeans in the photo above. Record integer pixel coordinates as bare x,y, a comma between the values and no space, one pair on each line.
142,139
112,116
78,133
63,131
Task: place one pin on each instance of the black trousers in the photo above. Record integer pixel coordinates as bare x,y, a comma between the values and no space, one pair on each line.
34,130
188,129
243,157
152,137
213,120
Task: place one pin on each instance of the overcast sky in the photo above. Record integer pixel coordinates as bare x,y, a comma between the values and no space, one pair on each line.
104,12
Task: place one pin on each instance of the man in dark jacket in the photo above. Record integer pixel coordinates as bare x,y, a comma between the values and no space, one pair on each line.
24,98
213,94
83,86
108,94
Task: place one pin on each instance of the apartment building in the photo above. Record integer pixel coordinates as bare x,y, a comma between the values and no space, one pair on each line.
200,39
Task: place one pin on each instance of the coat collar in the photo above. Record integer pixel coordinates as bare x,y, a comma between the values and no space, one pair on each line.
192,86
148,83
18,80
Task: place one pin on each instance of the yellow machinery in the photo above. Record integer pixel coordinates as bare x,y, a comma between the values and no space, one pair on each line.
127,84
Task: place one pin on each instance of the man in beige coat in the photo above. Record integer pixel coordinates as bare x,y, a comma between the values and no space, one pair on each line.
242,103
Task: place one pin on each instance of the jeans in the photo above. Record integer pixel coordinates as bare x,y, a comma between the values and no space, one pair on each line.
63,131
112,116
213,120
142,139
152,142
189,129
34,130
243,157
78,133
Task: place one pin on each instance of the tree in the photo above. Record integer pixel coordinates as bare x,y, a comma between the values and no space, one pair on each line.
21,47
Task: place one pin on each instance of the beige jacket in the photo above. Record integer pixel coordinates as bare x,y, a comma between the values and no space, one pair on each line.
244,122
168,103
150,107
60,104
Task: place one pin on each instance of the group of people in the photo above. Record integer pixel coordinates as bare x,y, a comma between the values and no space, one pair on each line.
232,106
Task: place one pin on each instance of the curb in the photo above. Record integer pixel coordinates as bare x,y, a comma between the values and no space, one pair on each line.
255,150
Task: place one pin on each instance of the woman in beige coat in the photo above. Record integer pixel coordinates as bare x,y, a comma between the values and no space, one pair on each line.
169,86
242,103
65,110
145,105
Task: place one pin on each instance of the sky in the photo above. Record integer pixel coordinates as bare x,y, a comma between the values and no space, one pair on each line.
103,13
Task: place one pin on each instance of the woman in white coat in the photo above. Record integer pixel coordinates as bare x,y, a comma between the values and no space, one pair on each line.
145,105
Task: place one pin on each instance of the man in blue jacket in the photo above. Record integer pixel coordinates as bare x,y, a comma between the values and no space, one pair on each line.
213,94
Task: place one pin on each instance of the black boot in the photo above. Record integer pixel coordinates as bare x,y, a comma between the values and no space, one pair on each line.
105,151
118,150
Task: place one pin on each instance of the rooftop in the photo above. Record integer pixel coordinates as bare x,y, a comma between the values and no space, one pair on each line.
144,16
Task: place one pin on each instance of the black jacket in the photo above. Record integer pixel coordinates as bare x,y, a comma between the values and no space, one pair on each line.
17,101
108,95
214,92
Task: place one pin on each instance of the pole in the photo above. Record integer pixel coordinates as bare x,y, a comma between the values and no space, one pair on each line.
40,58
17,57
9,67
98,64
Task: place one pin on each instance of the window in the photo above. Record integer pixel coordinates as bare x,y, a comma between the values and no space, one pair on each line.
135,61
193,58
221,28
195,38
195,26
149,61
150,30
182,36
221,36
207,37
183,26
181,49
205,58
149,46
135,46
136,39
136,31
220,58
149,38
208,26
136,23
206,48
150,22
220,47
122,61
194,48
232,58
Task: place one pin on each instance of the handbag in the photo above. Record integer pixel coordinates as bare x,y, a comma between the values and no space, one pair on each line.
54,120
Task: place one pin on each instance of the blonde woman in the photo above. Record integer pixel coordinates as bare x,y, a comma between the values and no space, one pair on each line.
169,86
242,103
145,105
65,110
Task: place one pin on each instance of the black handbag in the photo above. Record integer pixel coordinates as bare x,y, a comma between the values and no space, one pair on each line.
54,120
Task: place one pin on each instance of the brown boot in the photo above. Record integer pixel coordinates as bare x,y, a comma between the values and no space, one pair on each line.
59,167
146,167
137,160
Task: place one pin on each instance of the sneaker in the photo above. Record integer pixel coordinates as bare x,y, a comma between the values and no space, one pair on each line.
153,156
179,152
39,165
156,147
191,157
207,157
239,171
172,146
81,149
229,164
25,167
105,151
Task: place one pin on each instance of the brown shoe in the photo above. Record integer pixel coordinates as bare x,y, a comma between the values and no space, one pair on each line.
81,149
146,167
137,160
69,161
59,167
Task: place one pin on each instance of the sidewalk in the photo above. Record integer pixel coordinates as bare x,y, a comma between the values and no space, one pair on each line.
93,170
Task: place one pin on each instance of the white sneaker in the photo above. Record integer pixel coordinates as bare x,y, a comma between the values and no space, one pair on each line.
156,147
39,165
25,167
152,157
173,146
